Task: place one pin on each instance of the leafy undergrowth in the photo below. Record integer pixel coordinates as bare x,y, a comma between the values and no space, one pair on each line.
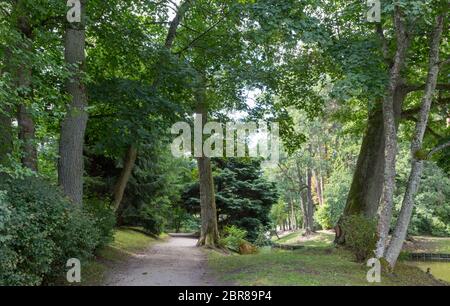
310,266
127,241
318,239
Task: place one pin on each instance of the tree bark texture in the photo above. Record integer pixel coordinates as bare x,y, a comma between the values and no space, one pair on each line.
71,164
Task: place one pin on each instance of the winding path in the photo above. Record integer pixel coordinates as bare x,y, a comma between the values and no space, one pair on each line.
177,262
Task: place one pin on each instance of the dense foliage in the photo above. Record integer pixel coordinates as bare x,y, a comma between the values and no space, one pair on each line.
40,231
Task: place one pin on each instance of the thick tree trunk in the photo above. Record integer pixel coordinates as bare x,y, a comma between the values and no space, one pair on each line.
404,218
128,165
367,183
209,235
390,133
71,165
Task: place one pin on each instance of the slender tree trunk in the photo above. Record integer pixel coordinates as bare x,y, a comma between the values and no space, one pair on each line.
71,164
306,201
209,236
310,203
321,188
124,178
318,187
293,219
390,132
404,218
119,187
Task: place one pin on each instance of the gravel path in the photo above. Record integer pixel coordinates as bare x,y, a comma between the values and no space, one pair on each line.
177,262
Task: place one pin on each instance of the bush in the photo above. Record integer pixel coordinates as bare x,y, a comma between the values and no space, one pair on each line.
233,237
360,236
39,231
104,218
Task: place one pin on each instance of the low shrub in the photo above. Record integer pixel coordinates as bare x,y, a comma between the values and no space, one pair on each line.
39,231
104,218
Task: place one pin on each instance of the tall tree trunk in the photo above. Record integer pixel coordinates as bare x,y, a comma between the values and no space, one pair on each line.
119,187
404,218
367,183
306,200
209,236
6,132
317,185
5,135
71,164
310,203
27,138
293,219
22,80
390,133
130,162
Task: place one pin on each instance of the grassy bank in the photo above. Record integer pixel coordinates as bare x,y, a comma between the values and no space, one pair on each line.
127,241
319,263
309,266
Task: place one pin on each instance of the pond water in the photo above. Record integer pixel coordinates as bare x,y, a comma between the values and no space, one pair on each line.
440,270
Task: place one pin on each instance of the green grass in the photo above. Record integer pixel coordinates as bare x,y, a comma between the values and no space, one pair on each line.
310,266
127,241
319,239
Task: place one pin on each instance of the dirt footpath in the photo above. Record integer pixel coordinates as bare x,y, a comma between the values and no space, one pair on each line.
177,262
